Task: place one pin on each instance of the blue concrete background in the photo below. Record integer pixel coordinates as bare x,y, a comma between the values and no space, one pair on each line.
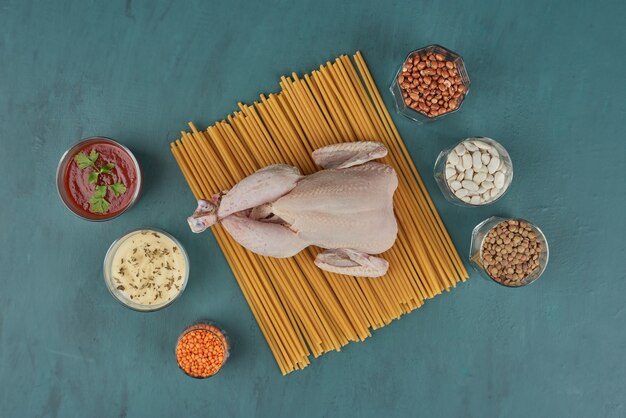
547,81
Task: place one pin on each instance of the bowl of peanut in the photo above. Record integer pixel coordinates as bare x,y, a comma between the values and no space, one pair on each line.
431,83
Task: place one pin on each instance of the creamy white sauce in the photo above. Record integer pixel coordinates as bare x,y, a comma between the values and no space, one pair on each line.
148,268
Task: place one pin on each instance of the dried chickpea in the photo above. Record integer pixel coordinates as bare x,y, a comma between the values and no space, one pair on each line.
510,252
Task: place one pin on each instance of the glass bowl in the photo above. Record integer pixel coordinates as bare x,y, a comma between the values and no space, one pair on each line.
440,171
118,295
212,328
399,98
62,168
476,250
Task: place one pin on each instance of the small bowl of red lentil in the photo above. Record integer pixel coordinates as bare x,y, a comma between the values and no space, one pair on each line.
431,83
202,349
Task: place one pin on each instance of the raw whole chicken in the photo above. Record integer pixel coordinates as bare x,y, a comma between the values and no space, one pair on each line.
346,208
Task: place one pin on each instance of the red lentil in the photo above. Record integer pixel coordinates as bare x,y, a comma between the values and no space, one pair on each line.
202,350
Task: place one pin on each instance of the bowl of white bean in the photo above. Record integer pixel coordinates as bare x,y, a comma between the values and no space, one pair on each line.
476,171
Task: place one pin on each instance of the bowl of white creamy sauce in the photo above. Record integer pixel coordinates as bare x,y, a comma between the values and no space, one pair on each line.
146,269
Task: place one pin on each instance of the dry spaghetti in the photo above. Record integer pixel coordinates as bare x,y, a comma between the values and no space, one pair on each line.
300,309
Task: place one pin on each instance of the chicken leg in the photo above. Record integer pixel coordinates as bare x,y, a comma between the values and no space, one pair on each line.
264,238
264,186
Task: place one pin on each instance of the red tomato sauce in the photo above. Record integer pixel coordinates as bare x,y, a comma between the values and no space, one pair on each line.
79,190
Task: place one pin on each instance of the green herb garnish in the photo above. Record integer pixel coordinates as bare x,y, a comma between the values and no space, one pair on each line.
117,188
97,201
93,177
106,169
84,161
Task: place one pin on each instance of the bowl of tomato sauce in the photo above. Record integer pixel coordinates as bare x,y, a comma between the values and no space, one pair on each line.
98,179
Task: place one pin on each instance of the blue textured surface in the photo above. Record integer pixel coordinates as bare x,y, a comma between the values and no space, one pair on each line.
547,81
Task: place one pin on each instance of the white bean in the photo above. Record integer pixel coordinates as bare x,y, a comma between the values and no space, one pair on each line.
470,146
477,162
499,180
455,185
467,161
479,178
475,172
493,165
453,158
481,144
469,185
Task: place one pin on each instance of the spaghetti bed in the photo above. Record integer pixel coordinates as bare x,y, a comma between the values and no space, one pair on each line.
300,309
